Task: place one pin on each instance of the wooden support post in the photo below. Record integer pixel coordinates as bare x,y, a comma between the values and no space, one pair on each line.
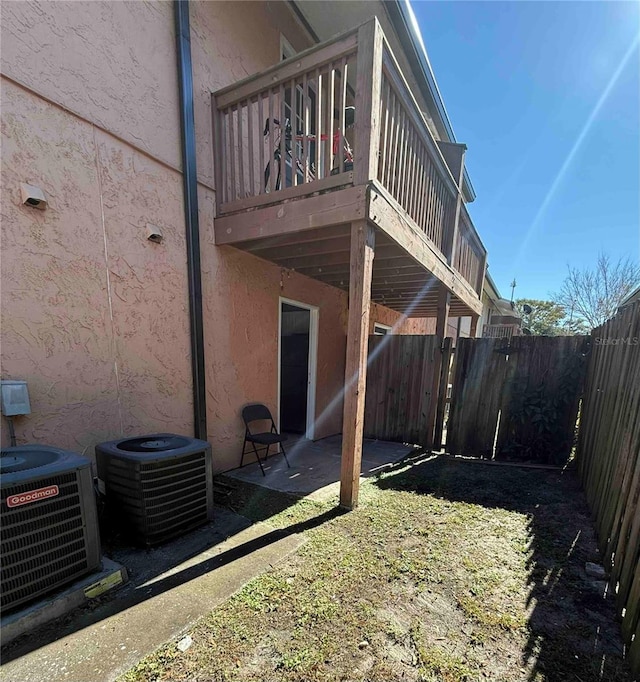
481,275
474,326
444,300
361,263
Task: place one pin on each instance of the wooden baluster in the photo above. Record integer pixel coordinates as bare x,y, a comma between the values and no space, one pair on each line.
221,185
251,160
406,164
342,103
328,144
232,155
426,199
241,183
261,187
396,149
418,186
318,124
433,232
283,139
406,188
384,161
442,203
452,209
393,146
437,224
425,192
305,127
402,179
414,175
294,133
405,160
395,168
270,146
481,272
421,190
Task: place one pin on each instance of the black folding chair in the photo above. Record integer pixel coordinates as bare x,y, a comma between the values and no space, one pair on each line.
258,412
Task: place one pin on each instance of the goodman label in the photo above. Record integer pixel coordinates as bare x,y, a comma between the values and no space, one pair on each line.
32,496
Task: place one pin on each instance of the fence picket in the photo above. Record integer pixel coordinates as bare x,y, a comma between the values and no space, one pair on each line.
608,456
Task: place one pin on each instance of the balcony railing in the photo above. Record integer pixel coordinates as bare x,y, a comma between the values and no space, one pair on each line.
470,257
501,331
286,132
279,133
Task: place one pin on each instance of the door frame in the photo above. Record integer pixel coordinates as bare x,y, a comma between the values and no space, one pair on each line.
313,361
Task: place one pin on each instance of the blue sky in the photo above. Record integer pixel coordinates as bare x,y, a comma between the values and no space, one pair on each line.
521,81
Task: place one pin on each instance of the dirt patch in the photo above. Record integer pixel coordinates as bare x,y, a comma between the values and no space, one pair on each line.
447,571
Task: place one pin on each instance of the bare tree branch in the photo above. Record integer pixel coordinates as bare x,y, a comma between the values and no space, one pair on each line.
595,294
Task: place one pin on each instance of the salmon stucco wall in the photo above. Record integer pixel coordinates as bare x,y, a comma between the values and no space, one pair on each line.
114,63
95,316
241,299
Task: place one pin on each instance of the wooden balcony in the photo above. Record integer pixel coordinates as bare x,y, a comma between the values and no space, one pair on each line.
291,197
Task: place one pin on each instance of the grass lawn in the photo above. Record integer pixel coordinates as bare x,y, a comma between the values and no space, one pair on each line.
447,571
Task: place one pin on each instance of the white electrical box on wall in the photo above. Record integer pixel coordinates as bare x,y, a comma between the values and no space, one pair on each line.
15,398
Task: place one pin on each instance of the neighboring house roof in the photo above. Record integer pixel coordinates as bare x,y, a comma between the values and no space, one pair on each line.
631,298
508,308
492,289
503,306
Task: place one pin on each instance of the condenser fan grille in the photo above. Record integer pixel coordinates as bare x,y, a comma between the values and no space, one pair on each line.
160,498
42,543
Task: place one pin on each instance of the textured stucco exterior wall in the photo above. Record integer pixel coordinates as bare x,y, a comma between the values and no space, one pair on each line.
53,276
94,316
241,300
113,63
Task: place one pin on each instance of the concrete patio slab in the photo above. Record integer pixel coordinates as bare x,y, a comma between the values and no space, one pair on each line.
164,598
315,466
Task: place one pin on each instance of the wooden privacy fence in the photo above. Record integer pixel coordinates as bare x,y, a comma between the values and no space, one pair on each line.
517,398
608,457
403,377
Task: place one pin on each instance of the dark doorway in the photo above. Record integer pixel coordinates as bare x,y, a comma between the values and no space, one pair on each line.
295,328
